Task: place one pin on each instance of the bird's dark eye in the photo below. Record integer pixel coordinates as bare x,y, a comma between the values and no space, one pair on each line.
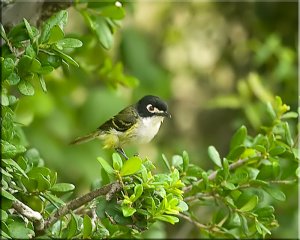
150,108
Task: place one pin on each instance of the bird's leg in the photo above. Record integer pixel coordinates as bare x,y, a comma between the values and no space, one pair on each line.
121,151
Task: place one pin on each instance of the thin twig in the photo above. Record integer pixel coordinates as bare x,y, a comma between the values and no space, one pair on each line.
213,175
107,190
214,228
197,224
30,214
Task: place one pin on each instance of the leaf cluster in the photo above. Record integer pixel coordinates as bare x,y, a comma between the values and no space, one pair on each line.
241,190
145,199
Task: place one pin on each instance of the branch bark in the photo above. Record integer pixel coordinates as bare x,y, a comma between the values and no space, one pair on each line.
30,214
109,190
35,12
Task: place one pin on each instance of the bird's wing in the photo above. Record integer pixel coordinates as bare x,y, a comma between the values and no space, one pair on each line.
122,121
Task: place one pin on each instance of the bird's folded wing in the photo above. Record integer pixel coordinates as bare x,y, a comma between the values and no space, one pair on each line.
122,121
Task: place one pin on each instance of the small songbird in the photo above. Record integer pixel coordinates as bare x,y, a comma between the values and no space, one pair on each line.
137,123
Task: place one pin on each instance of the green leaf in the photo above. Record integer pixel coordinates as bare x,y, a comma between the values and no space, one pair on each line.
4,99
108,169
288,136
228,185
244,224
236,152
59,19
250,205
68,43
13,164
177,161
42,82
45,69
4,215
214,156
117,161
289,115
62,187
26,88
271,112
35,65
265,212
265,173
8,66
138,190
24,63
13,78
113,12
275,193
43,183
183,206
277,150
53,199
56,34
261,229
66,57
7,195
30,184
4,235
167,218
18,230
99,25
239,137
128,211
29,29
186,161
166,162
72,227
87,227
131,166
298,172
3,33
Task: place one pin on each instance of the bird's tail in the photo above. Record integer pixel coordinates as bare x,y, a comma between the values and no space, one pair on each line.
85,138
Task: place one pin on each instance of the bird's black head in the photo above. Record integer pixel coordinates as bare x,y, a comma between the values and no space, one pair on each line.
149,106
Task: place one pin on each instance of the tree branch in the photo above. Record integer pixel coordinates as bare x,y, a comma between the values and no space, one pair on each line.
213,175
197,224
109,190
30,214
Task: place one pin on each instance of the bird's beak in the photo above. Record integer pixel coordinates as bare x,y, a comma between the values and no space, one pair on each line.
168,115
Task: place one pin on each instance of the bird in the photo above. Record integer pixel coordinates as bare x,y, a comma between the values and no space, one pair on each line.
137,123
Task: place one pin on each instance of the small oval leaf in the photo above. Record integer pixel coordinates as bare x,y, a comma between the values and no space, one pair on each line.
214,155
62,187
131,166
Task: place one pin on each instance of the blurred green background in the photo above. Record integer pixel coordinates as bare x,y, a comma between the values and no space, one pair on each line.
215,63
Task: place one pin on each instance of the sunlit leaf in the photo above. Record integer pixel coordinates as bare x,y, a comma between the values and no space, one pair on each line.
62,187
26,88
214,155
239,137
131,166
105,165
250,205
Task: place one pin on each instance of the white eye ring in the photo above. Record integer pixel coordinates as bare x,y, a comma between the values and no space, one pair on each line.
150,108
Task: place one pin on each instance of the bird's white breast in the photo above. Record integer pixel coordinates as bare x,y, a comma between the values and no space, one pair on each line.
147,129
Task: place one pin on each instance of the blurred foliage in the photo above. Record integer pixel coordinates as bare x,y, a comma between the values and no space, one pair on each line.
219,64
